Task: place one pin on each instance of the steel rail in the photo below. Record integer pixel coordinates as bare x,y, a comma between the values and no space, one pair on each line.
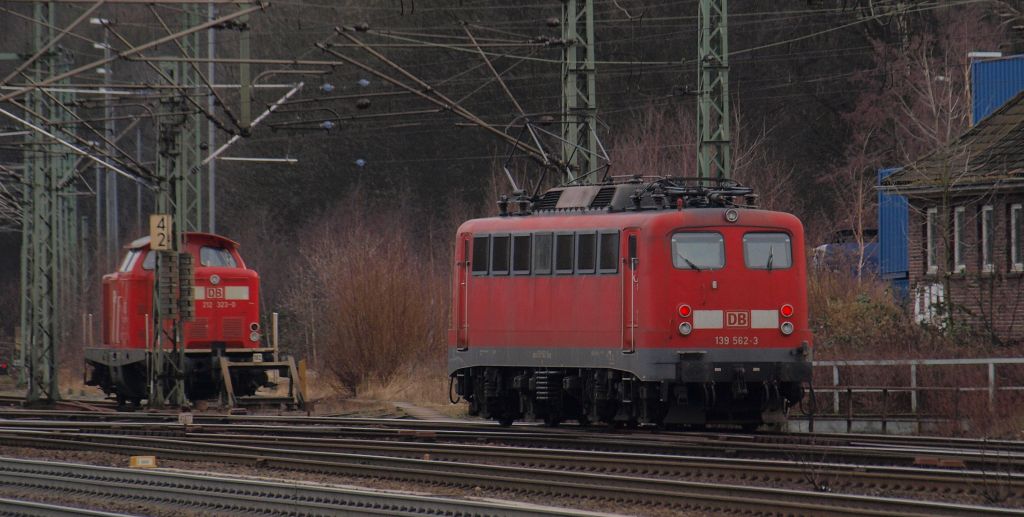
820,474
247,495
876,450
828,474
556,437
640,490
36,509
489,427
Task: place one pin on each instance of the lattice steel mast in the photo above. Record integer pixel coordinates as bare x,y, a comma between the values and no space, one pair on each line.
49,261
714,157
579,94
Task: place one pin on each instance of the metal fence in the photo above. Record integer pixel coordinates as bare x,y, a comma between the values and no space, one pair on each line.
840,386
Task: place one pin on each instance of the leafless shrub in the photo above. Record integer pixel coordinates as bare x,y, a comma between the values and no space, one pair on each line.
370,294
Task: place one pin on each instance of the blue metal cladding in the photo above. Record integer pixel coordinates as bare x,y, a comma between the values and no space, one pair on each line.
994,82
893,217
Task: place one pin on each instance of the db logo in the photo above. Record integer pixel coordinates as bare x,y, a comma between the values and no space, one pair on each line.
737,319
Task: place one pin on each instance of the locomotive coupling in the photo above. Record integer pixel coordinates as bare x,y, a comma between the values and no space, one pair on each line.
803,351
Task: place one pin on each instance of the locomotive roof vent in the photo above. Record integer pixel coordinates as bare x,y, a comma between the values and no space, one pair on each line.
549,200
604,197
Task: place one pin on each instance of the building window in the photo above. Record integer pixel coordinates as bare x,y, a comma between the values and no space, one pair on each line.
931,234
542,253
499,254
481,254
959,239
987,232
1016,237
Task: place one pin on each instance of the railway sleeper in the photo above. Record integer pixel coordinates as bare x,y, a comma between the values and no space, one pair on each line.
613,397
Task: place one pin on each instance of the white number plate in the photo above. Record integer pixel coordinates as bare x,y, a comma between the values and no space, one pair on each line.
736,340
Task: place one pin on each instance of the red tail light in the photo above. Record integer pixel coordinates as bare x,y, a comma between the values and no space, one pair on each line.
685,311
787,311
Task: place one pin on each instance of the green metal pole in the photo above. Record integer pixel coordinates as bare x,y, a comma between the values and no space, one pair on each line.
579,97
714,159
41,227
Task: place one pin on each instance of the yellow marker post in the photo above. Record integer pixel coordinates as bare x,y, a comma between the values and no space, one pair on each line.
143,462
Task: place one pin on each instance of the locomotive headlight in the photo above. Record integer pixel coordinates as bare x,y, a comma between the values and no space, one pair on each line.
786,328
732,215
685,328
214,279
685,311
254,336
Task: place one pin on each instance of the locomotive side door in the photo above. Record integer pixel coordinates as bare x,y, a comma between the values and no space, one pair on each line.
629,286
462,276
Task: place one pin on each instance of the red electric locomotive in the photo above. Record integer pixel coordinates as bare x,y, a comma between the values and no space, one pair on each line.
666,302
226,323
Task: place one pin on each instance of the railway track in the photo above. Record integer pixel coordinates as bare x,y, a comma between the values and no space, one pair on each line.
573,476
860,450
492,429
19,508
244,496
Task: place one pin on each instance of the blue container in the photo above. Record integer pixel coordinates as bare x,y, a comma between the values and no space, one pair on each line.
893,214
993,82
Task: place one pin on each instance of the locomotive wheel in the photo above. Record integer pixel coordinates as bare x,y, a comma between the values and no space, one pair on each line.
583,421
551,420
506,420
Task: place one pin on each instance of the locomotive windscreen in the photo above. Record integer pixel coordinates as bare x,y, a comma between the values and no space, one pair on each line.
216,257
767,251
698,250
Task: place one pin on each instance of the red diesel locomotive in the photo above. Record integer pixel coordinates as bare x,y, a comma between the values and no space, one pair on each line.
662,302
226,323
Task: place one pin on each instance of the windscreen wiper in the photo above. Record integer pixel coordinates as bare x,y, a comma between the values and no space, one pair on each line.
771,250
690,263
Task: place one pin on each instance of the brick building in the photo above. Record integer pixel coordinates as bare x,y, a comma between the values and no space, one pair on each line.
966,246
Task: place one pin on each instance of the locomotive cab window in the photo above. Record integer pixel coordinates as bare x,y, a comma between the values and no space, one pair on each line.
129,261
563,253
542,253
500,254
149,263
586,252
520,254
698,250
767,251
216,257
608,252
480,255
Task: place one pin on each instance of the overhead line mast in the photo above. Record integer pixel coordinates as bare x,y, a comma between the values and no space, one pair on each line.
579,93
714,152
